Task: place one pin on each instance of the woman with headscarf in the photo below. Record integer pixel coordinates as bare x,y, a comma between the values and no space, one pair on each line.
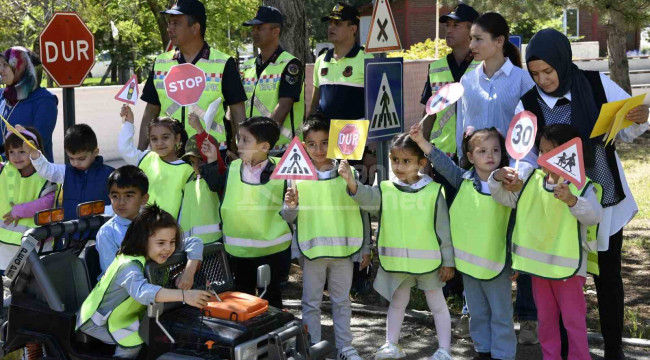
564,94
23,100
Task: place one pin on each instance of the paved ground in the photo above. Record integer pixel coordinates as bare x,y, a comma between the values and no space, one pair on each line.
419,342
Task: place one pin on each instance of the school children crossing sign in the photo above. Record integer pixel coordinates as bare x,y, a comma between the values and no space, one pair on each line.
384,97
295,164
567,161
382,35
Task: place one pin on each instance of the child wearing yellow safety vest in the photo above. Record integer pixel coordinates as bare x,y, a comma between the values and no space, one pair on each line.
479,226
553,234
166,172
113,309
331,231
413,241
23,193
254,232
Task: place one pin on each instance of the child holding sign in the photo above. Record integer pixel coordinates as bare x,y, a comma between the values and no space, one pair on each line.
413,239
24,192
478,230
167,173
331,231
550,241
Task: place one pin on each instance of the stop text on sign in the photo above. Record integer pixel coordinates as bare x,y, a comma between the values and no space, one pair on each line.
185,83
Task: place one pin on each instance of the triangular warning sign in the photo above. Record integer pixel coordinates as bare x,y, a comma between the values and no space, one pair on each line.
567,161
384,116
129,92
382,35
295,164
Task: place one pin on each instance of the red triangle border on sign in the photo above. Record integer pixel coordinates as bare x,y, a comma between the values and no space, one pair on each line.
295,142
544,162
133,78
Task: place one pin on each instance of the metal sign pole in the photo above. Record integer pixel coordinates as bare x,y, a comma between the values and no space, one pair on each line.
68,112
382,150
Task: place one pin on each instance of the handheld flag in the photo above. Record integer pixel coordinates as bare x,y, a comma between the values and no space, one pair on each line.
567,161
17,133
295,164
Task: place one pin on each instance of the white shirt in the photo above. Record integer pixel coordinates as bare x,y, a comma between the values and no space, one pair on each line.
617,216
127,148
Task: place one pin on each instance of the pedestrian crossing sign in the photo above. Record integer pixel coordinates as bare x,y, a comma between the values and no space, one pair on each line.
295,164
567,161
384,98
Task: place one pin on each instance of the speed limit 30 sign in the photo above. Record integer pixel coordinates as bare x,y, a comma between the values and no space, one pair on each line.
521,134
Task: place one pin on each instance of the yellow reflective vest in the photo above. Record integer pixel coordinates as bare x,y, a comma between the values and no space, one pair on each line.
407,239
166,181
200,212
123,322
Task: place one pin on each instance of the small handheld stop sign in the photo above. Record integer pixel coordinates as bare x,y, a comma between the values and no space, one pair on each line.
184,84
521,135
347,139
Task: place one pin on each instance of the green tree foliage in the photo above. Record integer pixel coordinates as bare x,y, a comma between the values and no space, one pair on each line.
315,10
424,50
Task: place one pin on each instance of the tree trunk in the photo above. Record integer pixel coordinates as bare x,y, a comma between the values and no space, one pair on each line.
616,40
161,20
294,32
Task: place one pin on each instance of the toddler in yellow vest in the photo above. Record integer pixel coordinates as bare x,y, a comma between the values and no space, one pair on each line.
551,241
413,241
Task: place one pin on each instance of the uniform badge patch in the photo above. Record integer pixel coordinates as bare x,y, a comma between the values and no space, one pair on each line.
348,71
291,79
293,69
323,72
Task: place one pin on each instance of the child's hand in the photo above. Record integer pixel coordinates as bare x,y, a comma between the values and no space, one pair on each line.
513,185
8,218
563,193
210,151
505,175
346,174
195,123
126,113
515,275
364,262
197,298
446,273
185,281
418,137
33,153
291,198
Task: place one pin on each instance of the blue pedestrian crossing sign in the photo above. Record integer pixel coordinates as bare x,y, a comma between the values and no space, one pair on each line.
384,94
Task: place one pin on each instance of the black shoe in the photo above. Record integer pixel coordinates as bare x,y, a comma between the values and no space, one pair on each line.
483,356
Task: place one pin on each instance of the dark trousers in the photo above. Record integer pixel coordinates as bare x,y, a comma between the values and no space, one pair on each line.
245,273
609,288
525,308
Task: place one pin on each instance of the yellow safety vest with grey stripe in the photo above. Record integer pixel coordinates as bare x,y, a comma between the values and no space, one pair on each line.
443,134
479,227
546,239
200,212
17,189
166,181
123,322
407,239
263,94
330,224
592,238
213,68
250,214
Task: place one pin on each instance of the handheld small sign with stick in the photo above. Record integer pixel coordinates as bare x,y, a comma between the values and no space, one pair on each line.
17,133
521,135
566,161
295,164
443,98
347,139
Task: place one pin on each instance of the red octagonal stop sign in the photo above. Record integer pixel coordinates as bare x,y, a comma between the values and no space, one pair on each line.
348,139
184,84
67,49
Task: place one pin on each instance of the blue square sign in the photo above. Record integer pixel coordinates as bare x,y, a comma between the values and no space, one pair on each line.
384,87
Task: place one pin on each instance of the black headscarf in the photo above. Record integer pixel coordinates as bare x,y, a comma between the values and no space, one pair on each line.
554,48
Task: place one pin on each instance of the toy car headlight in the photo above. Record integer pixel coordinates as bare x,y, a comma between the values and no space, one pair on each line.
246,352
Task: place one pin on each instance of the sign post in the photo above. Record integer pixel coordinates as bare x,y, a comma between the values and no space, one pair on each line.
68,53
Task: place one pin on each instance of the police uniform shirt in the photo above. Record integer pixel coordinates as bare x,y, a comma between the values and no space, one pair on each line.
292,75
457,72
232,88
340,101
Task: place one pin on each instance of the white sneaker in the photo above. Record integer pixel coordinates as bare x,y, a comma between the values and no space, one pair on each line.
348,353
441,354
389,351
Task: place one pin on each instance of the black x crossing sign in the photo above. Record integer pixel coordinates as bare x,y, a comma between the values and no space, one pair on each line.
382,35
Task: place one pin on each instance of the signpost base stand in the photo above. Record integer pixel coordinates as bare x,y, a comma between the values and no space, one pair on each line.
68,111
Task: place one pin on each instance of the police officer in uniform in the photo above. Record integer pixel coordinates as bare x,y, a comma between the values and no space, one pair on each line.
274,80
186,27
339,92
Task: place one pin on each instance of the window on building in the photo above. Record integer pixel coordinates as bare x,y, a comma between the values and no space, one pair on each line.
571,22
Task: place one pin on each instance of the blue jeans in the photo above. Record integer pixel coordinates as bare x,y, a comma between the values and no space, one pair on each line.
524,303
490,324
